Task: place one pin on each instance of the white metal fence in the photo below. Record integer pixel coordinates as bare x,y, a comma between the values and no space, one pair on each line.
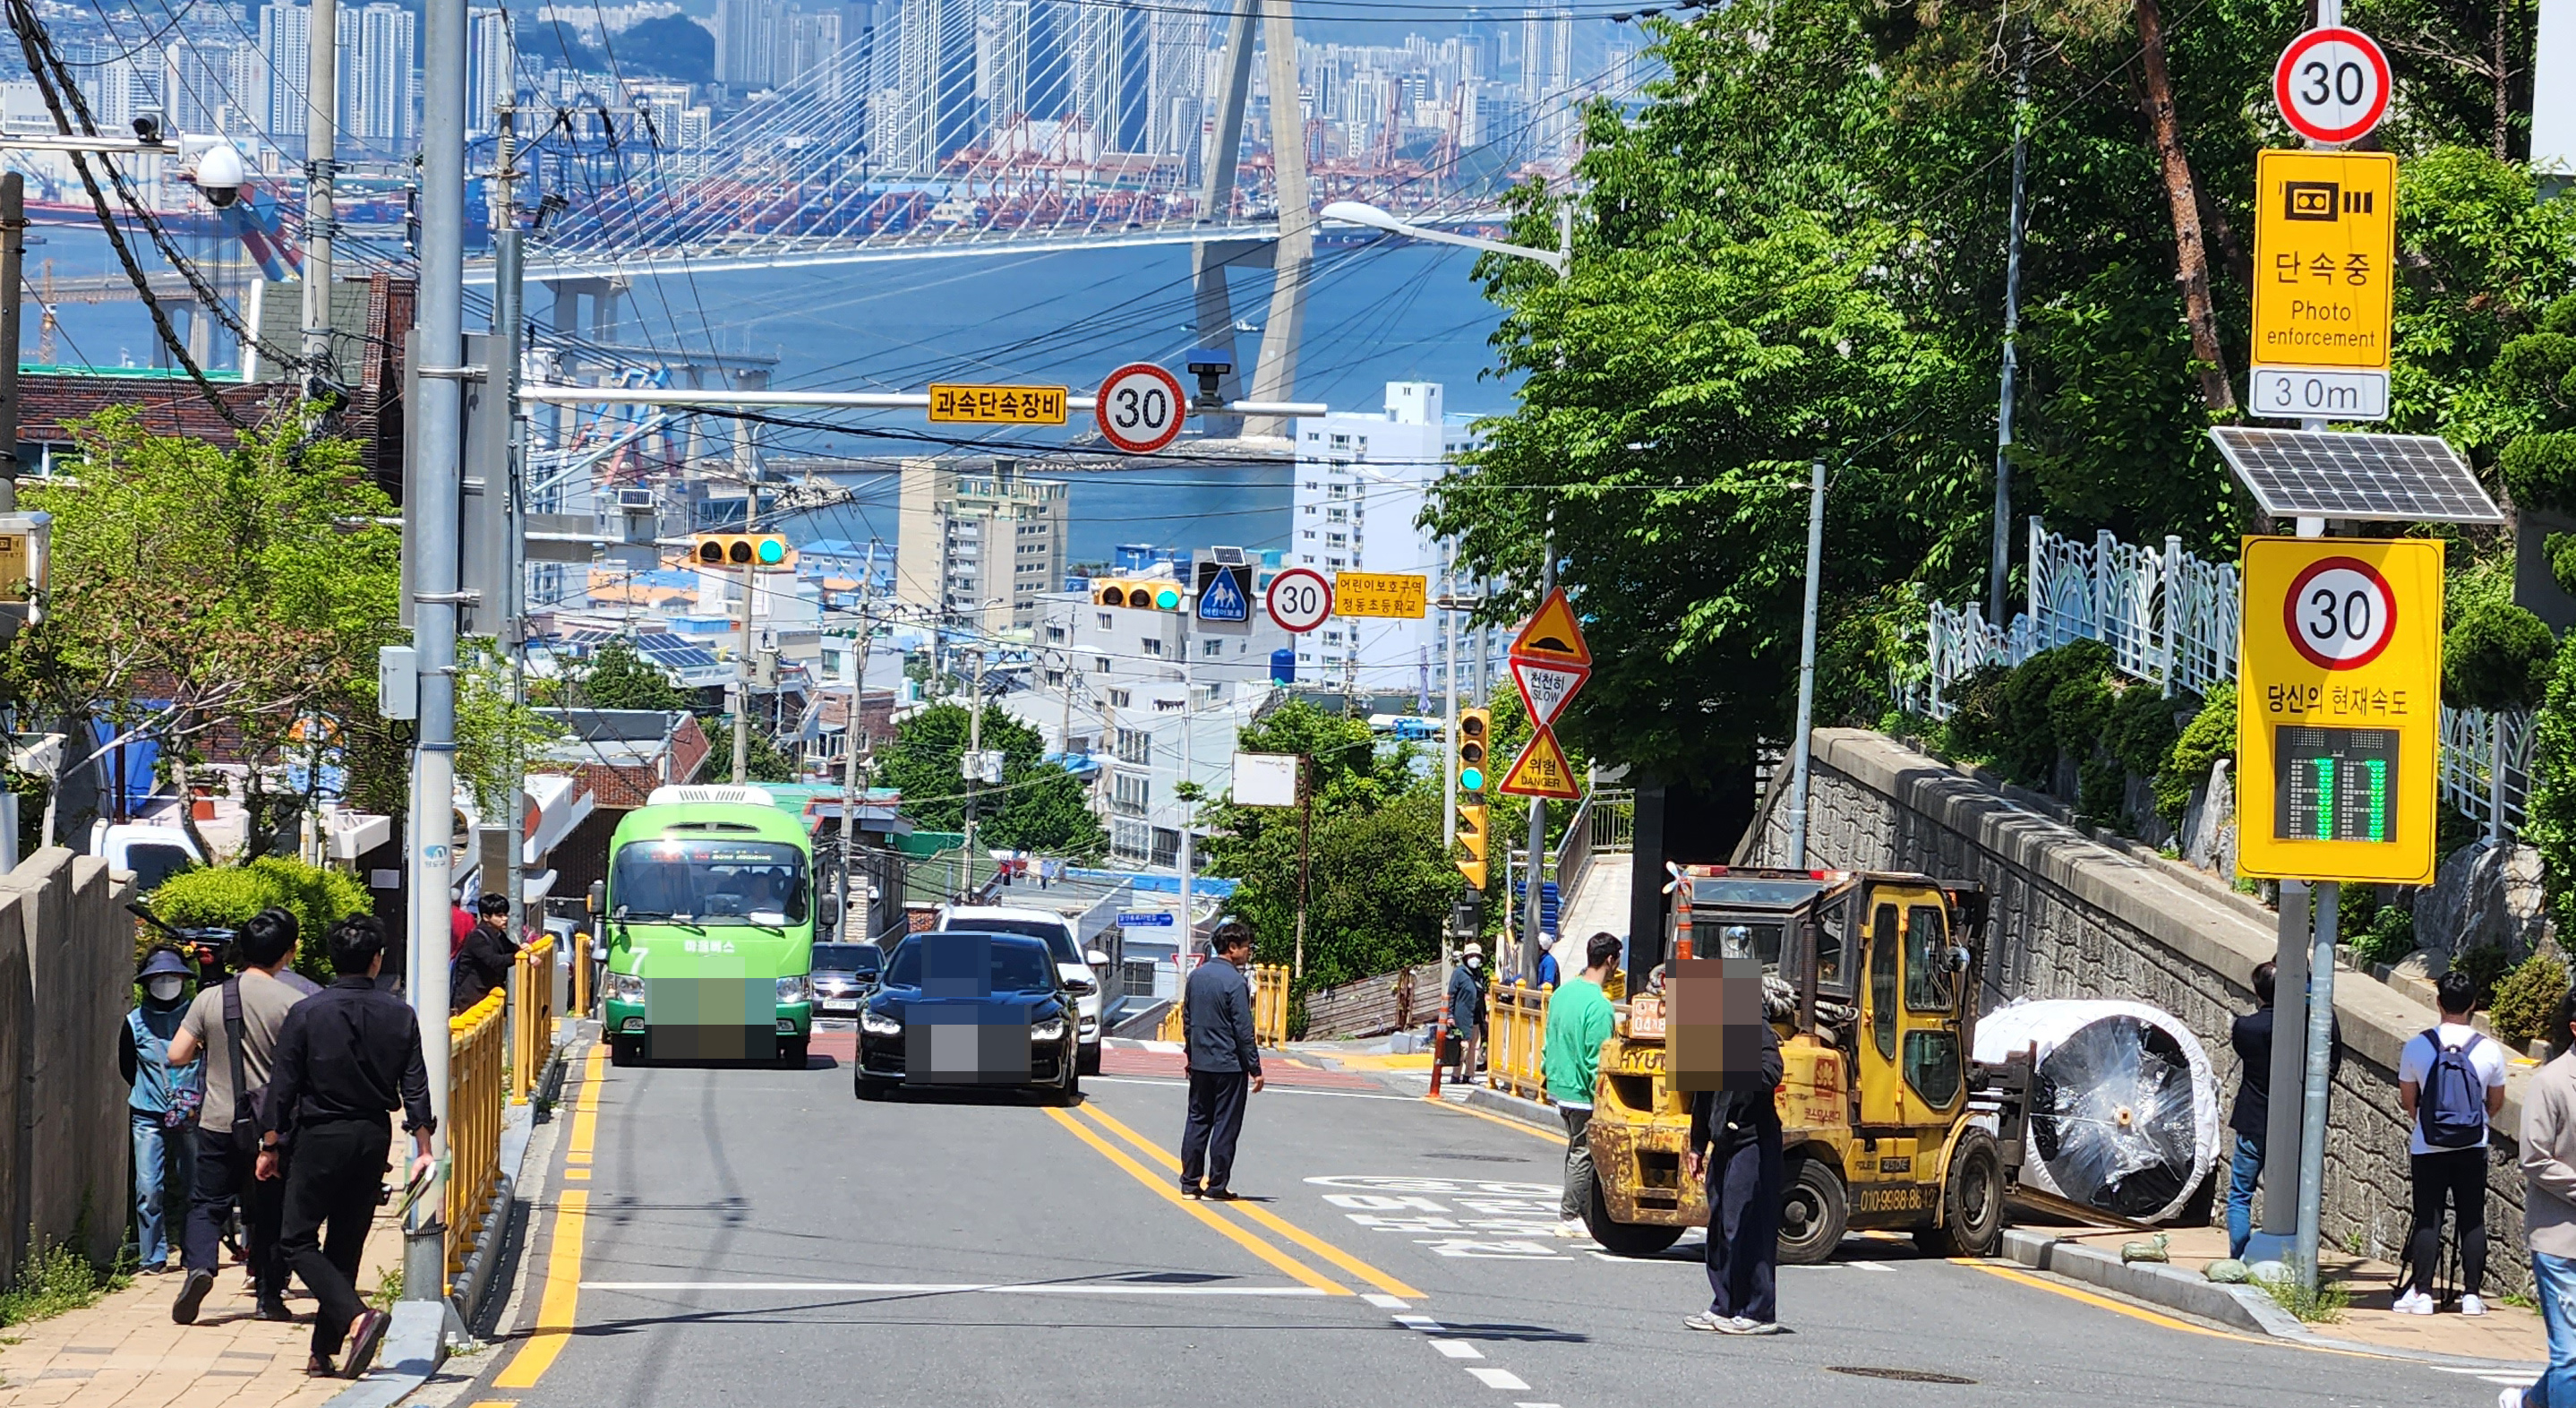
2171,619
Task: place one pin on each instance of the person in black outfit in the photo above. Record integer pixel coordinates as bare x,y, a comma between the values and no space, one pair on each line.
1735,1144
1216,1032
2251,1120
346,1056
484,963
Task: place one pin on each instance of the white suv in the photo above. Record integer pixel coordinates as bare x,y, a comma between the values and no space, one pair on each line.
1078,969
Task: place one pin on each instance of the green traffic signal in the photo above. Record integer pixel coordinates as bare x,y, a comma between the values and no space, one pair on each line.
1168,599
1471,779
772,551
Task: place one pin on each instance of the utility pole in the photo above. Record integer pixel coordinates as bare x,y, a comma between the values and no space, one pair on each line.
321,163
974,771
1449,704
1536,871
1189,760
437,487
13,261
742,646
501,384
2001,566
850,762
1807,669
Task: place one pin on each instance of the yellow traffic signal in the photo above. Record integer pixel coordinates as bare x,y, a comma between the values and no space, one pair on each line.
1146,595
1472,835
1474,726
759,550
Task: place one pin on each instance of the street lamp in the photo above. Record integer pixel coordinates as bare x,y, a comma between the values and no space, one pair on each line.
1561,261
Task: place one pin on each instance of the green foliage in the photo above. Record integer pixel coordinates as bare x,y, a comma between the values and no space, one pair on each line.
2210,736
2141,731
2496,656
2484,966
2389,937
2021,718
2560,550
2526,1002
766,762
496,736
53,1280
1379,885
673,46
619,677
2321,1304
227,896
2549,820
2540,469
1038,806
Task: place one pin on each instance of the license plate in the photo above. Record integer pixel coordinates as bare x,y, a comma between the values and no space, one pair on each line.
836,1005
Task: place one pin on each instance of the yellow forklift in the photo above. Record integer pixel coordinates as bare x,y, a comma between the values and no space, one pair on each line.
1887,1122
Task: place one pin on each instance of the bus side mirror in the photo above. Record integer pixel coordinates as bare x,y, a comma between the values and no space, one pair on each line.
827,918
598,895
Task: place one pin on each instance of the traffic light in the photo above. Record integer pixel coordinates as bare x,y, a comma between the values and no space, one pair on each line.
1151,595
1472,835
765,550
1474,726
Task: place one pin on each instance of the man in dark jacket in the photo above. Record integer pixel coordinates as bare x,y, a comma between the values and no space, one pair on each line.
1466,1000
346,1057
1217,1035
2251,1036
1735,1143
484,962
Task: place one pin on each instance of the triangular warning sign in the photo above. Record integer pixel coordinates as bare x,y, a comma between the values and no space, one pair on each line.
1541,770
1551,635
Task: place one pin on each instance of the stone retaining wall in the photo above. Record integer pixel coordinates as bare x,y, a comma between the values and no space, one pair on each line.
2076,917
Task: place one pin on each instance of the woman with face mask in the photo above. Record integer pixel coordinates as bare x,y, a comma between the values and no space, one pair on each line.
163,1107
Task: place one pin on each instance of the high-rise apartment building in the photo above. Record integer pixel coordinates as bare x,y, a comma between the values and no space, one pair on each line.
491,69
196,82
379,110
1112,69
748,38
932,113
978,544
285,46
246,84
1361,482
812,59
1547,76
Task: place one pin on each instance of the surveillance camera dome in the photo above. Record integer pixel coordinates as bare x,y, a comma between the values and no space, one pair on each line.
220,175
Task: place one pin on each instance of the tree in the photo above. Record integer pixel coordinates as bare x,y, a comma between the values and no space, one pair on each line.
496,736
1038,806
619,677
766,762
673,46
200,593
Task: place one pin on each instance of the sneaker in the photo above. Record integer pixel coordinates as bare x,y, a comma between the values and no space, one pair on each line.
1222,1195
1574,1227
275,1310
366,1335
2471,1305
1747,1326
1706,1320
192,1295
1191,1190
2508,1398
318,1367
2413,1303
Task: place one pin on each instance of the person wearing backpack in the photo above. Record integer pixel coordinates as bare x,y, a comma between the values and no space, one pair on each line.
232,1027
2450,1083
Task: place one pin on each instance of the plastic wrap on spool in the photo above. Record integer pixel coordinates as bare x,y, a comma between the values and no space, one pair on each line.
2124,1102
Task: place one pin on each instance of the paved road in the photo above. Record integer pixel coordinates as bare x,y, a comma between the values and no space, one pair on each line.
753,1236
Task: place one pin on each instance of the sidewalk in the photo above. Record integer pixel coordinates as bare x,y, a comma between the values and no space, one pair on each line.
125,1352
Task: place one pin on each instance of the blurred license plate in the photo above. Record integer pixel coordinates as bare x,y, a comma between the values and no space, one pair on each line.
840,1004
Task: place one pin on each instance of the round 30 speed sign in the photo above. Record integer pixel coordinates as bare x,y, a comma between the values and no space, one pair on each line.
1140,408
2332,85
2341,613
1299,599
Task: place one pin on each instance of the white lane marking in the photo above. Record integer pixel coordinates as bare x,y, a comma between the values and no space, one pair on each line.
2508,1380
1266,1090
948,1288
1498,1378
1538,1405
1384,1302
1424,1323
1870,1265
1168,1048
1457,1349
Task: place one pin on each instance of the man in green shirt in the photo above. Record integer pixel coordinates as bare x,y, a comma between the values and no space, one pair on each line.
1578,1021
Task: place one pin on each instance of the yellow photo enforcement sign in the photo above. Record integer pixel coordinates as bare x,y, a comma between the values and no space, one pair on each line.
2325,241
997,405
17,564
1381,594
2339,709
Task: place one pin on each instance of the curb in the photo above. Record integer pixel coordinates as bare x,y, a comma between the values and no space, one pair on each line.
2244,1308
1514,1107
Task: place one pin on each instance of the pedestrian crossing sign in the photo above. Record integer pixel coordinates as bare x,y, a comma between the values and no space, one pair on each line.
1225,592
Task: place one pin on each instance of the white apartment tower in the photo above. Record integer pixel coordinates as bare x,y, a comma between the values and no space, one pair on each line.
491,70
379,111
979,544
1361,481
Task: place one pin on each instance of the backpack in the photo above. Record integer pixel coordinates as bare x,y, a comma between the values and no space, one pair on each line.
2452,1104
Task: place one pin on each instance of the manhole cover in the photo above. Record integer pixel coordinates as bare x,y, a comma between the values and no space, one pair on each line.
1911,1376
1479,1158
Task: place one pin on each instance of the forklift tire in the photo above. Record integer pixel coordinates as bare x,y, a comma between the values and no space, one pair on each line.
1624,1238
1813,1211
1972,1201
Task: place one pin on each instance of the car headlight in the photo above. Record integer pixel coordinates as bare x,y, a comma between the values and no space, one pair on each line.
796,989
622,987
876,1023
1052,1029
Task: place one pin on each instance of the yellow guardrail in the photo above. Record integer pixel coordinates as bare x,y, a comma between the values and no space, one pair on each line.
581,972
1269,1008
1516,1036
532,1018
477,1041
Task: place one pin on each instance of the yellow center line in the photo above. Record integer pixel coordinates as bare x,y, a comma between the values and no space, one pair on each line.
1531,1130
558,1308
1284,1262
2138,1313
1264,1216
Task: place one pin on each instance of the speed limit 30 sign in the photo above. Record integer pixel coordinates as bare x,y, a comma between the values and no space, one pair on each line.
1140,408
2332,85
2339,709
1299,599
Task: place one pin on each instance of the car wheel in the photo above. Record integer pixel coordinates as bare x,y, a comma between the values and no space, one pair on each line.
1090,1060
791,1053
1068,1087
1814,1210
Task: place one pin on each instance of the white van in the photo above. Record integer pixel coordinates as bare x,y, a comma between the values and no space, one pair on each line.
1079,970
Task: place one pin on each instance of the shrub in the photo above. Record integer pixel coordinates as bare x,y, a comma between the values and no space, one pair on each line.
2496,656
2210,736
2485,966
227,896
2549,825
2526,1002
2389,937
2141,730
2540,470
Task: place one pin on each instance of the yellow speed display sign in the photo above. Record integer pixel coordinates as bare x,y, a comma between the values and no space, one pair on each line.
2339,709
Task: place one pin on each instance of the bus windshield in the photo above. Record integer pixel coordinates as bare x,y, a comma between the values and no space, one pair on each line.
709,880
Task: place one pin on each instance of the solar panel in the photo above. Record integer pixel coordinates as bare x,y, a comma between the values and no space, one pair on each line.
2331,474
